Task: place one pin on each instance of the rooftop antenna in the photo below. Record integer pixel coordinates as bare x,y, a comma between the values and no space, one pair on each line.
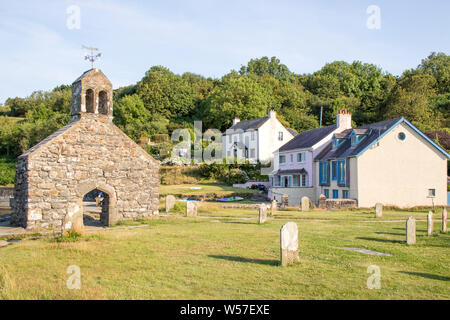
91,57
321,112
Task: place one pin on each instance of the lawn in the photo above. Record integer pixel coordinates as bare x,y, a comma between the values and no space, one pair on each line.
220,190
222,258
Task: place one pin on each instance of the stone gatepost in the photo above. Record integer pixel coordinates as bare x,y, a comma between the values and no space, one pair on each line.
411,230
322,201
191,209
170,203
284,201
305,204
430,223
273,207
444,220
262,213
289,244
378,210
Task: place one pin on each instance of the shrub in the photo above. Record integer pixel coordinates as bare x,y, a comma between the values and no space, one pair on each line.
236,176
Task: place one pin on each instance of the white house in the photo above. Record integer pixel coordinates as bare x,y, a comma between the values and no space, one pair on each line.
256,139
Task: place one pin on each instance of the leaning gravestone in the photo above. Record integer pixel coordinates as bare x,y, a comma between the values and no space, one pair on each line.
444,220
191,209
305,205
378,210
430,223
289,244
284,201
262,213
411,230
170,203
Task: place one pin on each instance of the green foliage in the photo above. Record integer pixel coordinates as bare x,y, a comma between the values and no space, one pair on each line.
166,93
236,96
163,101
69,236
236,176
264,66
7,170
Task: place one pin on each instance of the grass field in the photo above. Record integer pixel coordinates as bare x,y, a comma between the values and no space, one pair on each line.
223,258
221,190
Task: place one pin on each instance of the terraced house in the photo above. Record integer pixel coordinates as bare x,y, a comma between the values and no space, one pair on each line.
294,171
390,162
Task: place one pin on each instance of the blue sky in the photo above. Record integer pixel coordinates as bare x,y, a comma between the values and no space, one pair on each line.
39,52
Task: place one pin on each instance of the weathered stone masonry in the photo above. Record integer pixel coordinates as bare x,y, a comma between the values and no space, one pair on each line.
89,153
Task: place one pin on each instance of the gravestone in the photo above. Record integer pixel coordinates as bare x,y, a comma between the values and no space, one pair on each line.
170,203
378,210
305,204
430,223
274,206
284,201
191,209
411,230
444,220
262,213
73,220
289,244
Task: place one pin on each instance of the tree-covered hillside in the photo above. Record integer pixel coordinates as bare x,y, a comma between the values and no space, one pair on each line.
163,101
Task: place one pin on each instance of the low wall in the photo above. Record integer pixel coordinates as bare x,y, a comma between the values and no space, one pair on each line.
5,194
241,206
336,204
295,195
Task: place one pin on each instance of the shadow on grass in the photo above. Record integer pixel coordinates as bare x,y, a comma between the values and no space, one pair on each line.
381,240
427,275
239,222
246,260
391,234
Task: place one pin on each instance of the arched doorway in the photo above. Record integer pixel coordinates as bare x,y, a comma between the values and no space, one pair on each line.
96,208
98,203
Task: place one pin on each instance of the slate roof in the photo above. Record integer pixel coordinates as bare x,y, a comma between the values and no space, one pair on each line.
345,150
249,124
308,138
290,171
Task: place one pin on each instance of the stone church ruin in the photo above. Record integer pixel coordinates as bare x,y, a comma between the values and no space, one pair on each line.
90,153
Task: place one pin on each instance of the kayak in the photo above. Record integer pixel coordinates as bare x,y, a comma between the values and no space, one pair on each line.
230,199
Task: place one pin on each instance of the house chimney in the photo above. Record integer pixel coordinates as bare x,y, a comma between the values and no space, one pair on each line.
236,120
272,114
344,119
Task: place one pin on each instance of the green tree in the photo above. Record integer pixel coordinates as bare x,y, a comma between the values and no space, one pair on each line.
264,65
166,93
410,99
237,96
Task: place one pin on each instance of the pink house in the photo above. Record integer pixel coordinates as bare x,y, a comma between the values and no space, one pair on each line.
294,171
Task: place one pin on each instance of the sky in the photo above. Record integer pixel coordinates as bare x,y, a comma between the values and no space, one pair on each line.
41,41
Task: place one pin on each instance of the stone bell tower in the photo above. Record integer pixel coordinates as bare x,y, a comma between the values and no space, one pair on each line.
89,154
92,93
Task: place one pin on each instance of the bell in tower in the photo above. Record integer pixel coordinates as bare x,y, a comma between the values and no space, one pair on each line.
91,94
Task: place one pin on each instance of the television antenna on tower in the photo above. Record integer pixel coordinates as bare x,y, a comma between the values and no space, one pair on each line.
91,57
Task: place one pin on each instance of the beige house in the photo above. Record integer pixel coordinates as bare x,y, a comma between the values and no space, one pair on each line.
390,162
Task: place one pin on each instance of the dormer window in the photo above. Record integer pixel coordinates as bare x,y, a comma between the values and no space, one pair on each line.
357,138
337,141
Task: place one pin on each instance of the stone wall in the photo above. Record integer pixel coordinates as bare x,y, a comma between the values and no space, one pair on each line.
89,153
336,204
